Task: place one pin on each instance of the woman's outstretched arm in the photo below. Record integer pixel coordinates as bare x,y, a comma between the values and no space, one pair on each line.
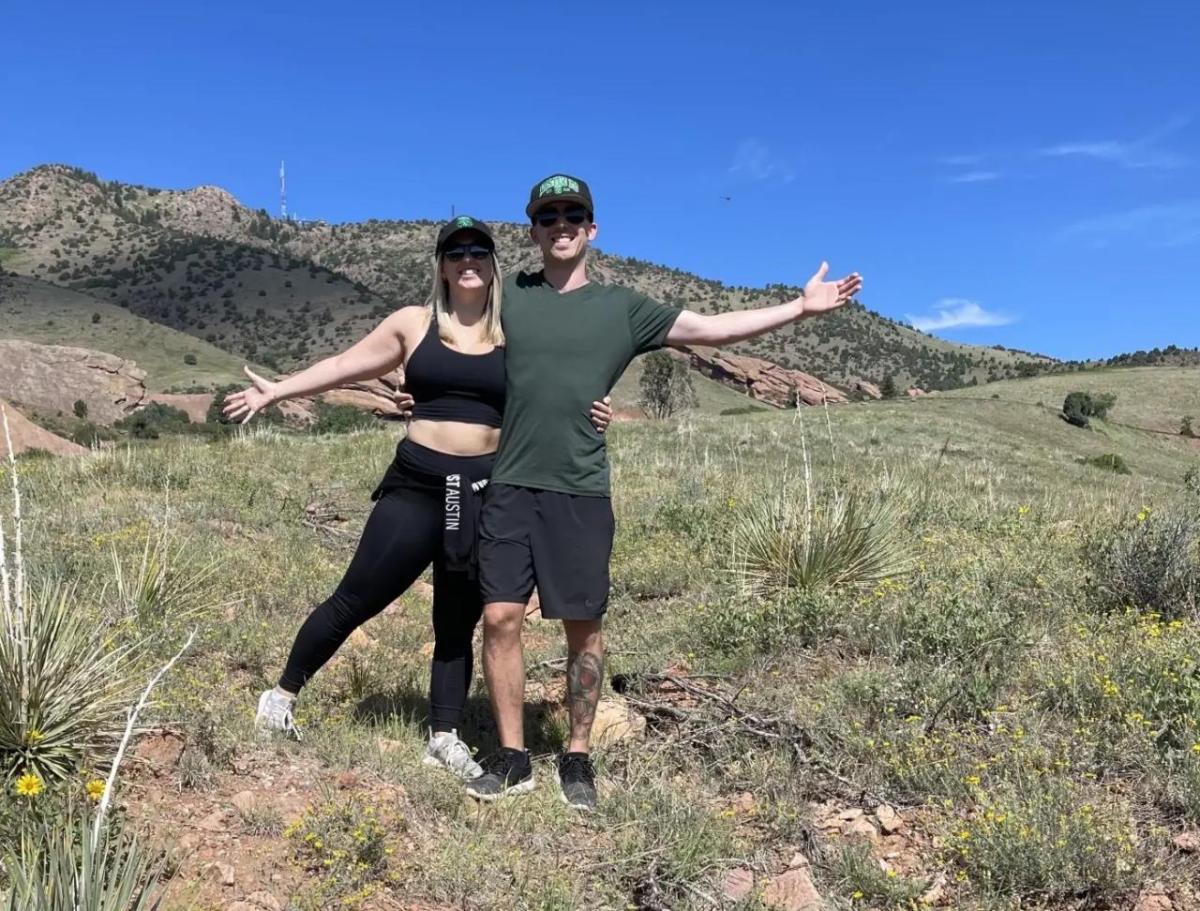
380,352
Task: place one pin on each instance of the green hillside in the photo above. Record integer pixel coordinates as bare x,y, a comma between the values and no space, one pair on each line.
1153,397
284,293
50,315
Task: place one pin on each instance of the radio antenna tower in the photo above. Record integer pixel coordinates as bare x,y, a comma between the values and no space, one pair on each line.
282,192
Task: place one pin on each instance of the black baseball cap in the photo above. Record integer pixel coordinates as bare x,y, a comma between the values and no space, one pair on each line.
463,223
559,188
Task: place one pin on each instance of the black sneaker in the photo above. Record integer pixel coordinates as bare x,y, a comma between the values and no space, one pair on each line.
577,779
506,771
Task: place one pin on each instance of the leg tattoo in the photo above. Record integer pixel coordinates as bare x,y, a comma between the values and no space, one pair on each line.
585,675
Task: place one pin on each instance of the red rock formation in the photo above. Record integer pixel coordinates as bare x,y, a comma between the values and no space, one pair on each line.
27,435
762,380
54,377
867,390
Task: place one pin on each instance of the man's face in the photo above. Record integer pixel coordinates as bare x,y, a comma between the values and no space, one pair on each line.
563,231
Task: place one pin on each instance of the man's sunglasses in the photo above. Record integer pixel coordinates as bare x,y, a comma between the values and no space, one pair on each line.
575,215
462,251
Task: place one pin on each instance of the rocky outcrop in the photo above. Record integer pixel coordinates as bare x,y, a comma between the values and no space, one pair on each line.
26,435
915,392
195,405
762,380
866,390
375,396
54,377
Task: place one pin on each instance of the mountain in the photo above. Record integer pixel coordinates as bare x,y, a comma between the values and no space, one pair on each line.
284,293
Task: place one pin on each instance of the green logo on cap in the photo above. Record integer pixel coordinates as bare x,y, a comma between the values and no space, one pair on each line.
464,221
553,186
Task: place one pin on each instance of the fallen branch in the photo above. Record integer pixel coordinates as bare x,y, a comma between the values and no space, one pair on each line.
131,721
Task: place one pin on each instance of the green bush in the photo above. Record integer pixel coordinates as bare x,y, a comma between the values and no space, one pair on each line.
1109,461
341,419
154,420
81,410
1079,407
1185,427
1150,563
742,409
666,385
190,359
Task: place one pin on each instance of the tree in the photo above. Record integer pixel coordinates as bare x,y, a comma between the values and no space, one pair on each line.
1185,427
189,359
81,409
888,387
666,385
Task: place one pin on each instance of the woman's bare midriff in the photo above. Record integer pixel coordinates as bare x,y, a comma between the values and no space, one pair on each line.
454,437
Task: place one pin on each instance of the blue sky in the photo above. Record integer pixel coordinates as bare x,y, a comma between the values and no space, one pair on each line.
1025,174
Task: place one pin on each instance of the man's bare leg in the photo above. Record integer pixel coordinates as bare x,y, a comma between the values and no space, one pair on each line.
504,669
585,677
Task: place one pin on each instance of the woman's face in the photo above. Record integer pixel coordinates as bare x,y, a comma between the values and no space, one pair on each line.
467,261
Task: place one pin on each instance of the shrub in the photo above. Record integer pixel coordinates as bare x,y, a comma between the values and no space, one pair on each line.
1151,563
1185,427
784,542
81,410
341,419
666,385
1109,461
1079,407
155,419
190,359
742,409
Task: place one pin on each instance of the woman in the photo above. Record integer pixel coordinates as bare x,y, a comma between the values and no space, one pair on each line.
453,358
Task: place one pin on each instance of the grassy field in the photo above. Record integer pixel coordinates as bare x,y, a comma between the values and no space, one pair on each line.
1153,397
991,728
42,313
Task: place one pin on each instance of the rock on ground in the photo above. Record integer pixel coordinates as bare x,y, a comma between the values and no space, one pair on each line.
762,380
54,377
27,435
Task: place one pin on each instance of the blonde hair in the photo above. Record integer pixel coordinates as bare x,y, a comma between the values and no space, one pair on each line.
439,304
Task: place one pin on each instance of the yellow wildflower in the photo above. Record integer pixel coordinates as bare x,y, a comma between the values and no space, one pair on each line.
95,789
30,785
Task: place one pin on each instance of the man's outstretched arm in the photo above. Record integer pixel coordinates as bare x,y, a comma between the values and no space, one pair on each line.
820,296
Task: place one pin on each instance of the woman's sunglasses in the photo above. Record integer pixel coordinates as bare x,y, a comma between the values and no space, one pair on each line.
461,252
576,215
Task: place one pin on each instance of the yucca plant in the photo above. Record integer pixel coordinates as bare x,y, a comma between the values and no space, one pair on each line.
162,585
78,867
809,541
63,686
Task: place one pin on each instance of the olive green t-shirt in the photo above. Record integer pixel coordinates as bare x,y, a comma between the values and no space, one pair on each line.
563,352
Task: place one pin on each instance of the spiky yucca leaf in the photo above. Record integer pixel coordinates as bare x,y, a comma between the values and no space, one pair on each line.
785,542
63,686
70,868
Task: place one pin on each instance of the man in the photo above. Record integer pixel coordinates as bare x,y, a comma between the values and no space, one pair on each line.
547,517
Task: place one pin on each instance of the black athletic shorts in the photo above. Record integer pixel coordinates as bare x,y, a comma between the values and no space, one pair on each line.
559,542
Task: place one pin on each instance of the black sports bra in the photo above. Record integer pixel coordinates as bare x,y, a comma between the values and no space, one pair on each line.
447,385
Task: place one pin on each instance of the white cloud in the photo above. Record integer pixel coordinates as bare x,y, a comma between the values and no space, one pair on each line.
1144,152
1174,224
958,313
756,161
974,177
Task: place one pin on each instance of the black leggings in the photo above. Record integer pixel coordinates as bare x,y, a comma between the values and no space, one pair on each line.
403,535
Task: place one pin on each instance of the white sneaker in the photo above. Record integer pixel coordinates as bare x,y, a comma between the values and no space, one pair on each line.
446,751
275,714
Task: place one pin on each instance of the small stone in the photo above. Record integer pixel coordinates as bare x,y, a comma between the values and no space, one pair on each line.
936,893
533,609
265,900
213,822
616,721
851,814
793,891
1188,842
244,802
188,841
861,828
739,883
1154,901
427,649
346,781
889,820
798,860
221,872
